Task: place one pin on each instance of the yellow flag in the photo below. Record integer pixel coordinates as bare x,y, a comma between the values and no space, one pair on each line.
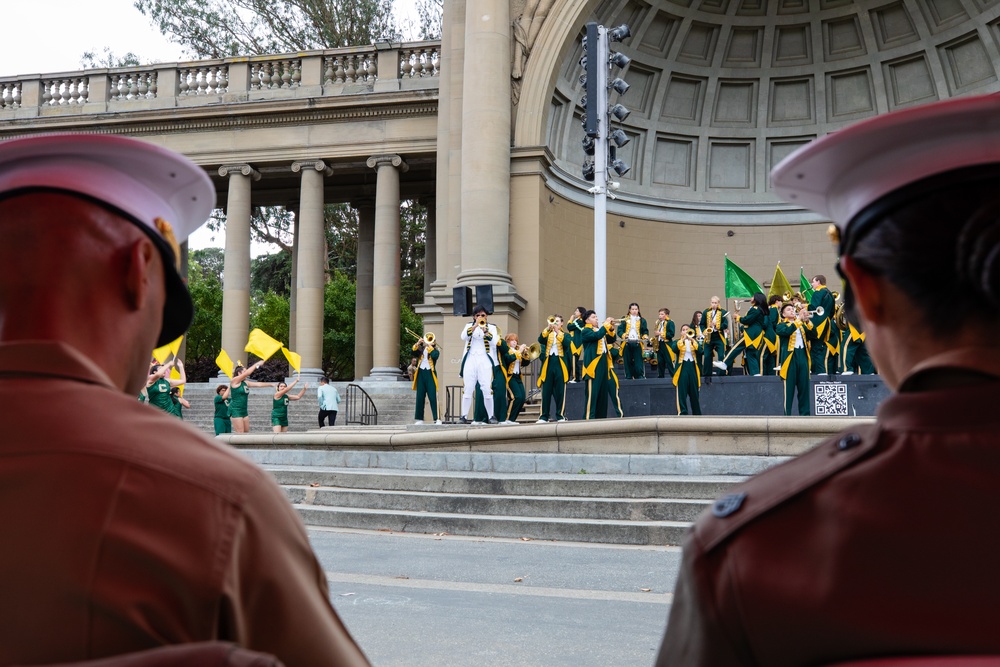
161,354
262,345
779,284
225,364
176,375
294,358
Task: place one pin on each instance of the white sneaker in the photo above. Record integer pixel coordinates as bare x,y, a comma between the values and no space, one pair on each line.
562,419
542,421
718,364
475,423
572,381
512,423
821,374
848,373
419,421
438,422
756,375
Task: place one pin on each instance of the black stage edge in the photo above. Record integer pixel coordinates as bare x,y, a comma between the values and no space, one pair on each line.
838,395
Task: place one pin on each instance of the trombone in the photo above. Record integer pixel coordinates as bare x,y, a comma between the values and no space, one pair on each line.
427,339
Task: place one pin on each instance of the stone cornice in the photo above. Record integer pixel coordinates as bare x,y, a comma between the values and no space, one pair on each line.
244,115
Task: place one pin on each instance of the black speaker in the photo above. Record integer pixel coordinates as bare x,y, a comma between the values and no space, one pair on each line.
484,297
461,305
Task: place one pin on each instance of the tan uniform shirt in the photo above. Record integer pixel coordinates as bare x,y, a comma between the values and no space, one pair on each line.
881,541
124,529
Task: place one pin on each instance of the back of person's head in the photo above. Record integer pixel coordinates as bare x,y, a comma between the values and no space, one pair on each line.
324,380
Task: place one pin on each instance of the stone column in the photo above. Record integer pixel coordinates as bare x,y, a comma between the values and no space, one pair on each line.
430,244
311,268
385,278
236,274
486,145
363,361
292,292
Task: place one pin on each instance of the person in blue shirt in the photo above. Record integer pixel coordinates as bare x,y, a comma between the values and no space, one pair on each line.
329,402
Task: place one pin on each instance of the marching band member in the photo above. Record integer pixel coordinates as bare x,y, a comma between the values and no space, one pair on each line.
769,353
554,374
696,327
792,332
425,381
632,331
512,360
752,338
598,369
477,363
714,324
575,328
665,355
856,357
826,354
687,378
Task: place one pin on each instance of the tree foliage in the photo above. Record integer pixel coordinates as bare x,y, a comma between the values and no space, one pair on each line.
271,274
221,28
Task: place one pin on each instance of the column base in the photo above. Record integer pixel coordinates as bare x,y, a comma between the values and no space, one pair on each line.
385,374
307,375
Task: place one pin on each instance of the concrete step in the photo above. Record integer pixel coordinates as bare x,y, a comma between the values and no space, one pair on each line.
557,485
608,509
535,528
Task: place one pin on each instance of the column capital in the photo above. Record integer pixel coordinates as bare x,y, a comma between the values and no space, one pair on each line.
244,169
376,161
318,165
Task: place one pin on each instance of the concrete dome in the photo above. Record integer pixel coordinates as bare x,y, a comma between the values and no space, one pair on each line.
722,90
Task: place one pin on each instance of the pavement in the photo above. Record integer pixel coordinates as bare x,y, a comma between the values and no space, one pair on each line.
419,600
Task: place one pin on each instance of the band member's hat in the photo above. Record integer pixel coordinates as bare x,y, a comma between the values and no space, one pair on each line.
163,193
857,175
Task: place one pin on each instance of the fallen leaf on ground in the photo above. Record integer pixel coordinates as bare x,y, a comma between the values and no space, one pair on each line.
314,484
645,590
401,576
518,579
525,539
344,595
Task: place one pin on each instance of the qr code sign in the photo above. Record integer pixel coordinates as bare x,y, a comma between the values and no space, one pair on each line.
831,399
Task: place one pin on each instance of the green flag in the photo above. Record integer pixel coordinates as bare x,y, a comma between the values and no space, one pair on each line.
739,284
805,286
779,284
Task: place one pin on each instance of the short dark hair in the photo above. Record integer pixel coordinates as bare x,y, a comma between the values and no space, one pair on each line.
582,310
665,311
479,309
221,388
951,272
587,314
821,278
324,380
774,298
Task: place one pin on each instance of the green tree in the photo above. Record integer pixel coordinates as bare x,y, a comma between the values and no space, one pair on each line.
270,314
205,335
211,262
221,28
271,274
338,327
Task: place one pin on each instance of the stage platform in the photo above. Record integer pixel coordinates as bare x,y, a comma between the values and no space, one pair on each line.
832,396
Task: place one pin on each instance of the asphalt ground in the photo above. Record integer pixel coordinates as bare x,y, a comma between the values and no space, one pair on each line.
421,600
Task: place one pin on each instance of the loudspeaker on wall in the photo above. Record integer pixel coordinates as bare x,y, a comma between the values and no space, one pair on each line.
461,301
484,297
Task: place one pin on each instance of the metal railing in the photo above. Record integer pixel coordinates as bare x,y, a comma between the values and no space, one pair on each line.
360,407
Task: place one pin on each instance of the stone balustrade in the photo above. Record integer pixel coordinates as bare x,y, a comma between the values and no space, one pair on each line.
346,71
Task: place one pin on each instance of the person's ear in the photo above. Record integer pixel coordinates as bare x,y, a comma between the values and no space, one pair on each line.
867,290
142,269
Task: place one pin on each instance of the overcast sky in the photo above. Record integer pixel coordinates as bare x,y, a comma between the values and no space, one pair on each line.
47,36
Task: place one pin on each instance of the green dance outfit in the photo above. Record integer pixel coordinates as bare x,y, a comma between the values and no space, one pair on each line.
222,422
825,352
279,411
751,342
158,394
238,398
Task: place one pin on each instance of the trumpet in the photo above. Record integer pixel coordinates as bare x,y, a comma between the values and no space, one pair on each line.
481,321
689,334
817,313
529,352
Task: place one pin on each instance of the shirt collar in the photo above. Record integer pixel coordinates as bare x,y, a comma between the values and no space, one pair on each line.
50,359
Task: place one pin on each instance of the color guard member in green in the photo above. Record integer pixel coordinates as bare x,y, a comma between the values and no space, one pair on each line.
240,394
598,369
158,384
279,406
769,352
177,403
425,381
575,329
687,377
222,422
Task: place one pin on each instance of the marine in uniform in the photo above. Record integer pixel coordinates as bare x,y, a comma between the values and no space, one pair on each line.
828,558
159,535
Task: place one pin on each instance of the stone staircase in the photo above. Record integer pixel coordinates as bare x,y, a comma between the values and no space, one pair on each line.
604,498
